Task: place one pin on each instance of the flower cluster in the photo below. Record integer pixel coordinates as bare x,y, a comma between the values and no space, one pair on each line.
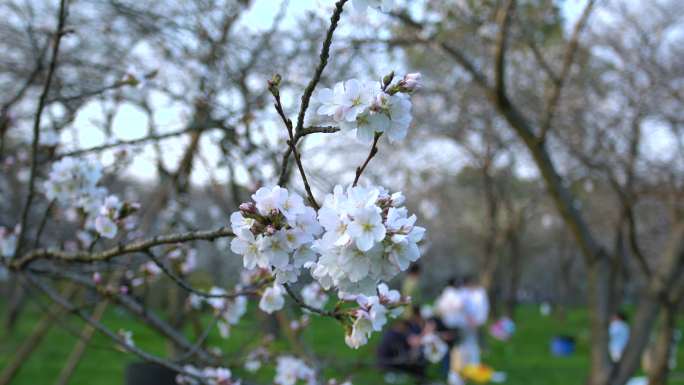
369,107
290,370
254,359
368,237
275,232
210,376
314,295
73,182
371,315
230,310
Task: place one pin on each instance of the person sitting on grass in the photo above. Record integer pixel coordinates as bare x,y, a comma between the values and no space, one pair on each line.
399,350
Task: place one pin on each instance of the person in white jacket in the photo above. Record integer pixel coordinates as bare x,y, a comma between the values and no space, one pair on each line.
619,336
476,312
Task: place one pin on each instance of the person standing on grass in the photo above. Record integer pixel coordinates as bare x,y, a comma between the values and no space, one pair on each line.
475,313
619,335
449,308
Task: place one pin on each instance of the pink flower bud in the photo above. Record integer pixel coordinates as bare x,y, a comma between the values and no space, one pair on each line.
270,230
248,208
97,278
412,81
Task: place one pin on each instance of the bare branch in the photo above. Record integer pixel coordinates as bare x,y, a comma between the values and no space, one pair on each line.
183,284
568,59
308,92
325,54
503,19
371,155
61,20
67,305
149,138
139,246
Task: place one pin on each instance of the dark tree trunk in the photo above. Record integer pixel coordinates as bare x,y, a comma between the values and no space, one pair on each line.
663,348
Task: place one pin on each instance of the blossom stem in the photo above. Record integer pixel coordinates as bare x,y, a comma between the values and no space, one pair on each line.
300,303
306,98
183,284
371,155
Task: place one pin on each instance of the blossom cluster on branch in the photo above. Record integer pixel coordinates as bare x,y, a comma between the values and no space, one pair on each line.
74,184
369,107
368,237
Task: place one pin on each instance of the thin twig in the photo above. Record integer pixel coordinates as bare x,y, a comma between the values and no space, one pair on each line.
325,54
120,143
43,222
308,91
197,346
185,285
371,154
568,59
312,309
67,305
131,304
61,19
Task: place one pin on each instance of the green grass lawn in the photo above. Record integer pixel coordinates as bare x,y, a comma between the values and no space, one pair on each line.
525,358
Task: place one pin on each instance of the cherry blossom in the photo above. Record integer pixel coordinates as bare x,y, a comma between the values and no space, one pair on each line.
209,375
275,232
369,107
272,299
314,295
290,370
368,238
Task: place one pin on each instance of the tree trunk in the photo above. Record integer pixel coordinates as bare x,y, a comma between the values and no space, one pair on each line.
663,347
515,271
599,301
489,258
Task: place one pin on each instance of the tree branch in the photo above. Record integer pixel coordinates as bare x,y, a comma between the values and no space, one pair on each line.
61,20
503,19
308,91
68,306
371,155
121,249
568,58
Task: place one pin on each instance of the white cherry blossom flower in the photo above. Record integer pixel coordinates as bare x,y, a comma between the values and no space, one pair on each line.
314,296
366,228
291,370
272,299
105,226
246,244
360,332
269,199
